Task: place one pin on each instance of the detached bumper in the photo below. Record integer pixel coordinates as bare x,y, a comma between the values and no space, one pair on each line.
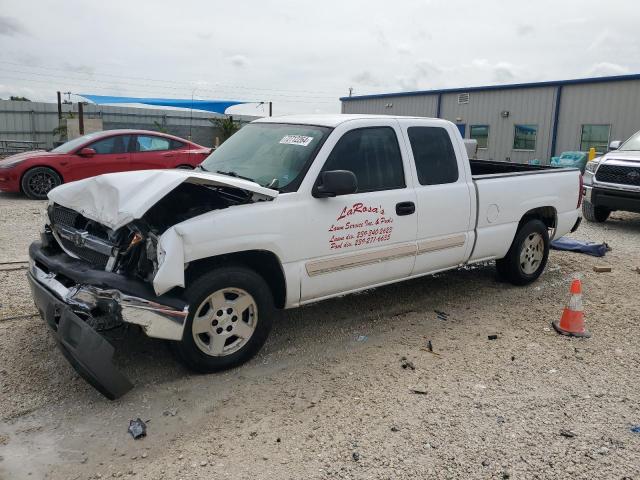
88,352
78,301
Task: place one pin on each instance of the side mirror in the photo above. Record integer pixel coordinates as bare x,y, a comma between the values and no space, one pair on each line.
87,152
334,183
615,145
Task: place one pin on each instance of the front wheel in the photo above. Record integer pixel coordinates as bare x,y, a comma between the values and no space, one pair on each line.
230,315
39,181
527,257
593,213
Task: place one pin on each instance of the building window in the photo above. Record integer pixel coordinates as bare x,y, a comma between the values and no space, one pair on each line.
480,133
524,137
596,136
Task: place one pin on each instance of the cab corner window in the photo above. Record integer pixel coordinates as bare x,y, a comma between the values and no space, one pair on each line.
150,143
373,155
433,153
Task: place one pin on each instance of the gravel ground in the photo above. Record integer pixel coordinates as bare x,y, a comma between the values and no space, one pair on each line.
328,396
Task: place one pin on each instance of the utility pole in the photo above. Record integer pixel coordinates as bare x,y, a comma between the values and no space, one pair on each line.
270,109
59,106
350,91
81,118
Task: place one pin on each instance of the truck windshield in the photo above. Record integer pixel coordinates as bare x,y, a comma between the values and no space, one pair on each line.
271,154
633,144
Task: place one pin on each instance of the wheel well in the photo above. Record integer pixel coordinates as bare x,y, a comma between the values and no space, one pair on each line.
265,263
546,215
39,166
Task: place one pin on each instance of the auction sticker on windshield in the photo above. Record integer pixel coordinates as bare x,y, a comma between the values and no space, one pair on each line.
296,140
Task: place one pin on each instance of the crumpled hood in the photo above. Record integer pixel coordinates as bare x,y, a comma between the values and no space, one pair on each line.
116,199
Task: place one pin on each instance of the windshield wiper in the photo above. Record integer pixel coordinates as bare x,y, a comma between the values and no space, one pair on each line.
234,174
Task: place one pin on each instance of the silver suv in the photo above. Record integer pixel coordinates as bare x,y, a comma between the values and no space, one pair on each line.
612,181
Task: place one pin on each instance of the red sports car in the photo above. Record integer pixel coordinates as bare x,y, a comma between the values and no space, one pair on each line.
35,173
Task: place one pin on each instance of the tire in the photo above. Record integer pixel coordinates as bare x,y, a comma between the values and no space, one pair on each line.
593,213
527,257
208,343
39,181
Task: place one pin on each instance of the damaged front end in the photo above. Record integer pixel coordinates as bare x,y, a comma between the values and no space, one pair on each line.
90,277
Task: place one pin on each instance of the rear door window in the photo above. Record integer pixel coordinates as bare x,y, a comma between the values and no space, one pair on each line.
151,143
433,153
373,155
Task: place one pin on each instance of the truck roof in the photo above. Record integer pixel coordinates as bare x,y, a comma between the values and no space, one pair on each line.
329,120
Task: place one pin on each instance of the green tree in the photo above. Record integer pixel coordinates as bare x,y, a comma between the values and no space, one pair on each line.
226,125
19,99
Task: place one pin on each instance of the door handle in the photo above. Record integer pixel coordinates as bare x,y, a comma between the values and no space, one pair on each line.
405,208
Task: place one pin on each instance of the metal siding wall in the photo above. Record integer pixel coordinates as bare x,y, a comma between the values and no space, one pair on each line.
532,106
415,106
613,103
16,120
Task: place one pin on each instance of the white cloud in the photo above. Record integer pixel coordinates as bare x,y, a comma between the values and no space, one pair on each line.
10,26
239,61
605,68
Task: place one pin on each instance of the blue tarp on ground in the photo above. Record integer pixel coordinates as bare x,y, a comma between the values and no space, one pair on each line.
217,106
590,248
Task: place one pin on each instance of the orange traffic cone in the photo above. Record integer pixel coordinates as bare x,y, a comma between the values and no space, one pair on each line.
572,321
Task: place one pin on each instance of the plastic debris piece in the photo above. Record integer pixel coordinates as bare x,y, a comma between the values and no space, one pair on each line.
635,429
137,428
362,338
492,337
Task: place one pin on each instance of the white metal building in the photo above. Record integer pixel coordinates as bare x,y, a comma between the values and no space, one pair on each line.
525,121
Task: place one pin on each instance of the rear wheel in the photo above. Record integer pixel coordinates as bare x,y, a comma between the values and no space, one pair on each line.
593,213
527,257
184,167
230,315
39,181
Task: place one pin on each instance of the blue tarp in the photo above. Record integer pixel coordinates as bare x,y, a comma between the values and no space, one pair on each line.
571,245
217,106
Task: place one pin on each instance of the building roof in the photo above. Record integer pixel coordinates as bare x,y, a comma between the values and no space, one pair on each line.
512,86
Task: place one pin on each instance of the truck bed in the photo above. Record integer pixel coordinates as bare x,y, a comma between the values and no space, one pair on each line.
480,168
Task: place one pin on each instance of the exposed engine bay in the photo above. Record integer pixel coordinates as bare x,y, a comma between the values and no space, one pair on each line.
131,250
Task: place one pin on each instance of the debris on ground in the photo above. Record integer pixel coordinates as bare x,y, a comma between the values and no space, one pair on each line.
171,412
355,456
137,428
407,364
429,346
635,429
419,390
440,315
362,338
601,269
492,337
567,433
573,245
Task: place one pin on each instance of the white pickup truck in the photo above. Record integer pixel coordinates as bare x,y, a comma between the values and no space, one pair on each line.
288,211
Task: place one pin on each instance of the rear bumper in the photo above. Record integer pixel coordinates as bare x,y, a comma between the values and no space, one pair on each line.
78,301
613,199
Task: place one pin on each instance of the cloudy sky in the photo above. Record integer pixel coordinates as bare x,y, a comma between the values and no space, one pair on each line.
304,55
